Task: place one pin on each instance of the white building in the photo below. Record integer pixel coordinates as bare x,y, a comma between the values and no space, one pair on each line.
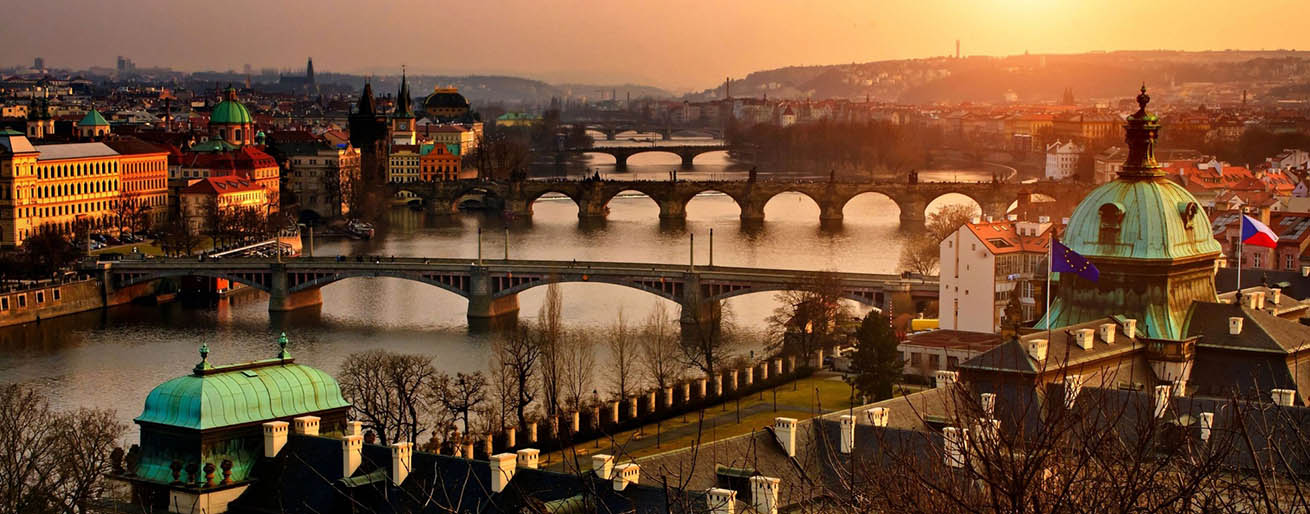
1062,160
982,263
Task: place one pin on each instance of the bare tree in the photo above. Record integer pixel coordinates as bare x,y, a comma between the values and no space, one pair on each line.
623,349
460,394
389,392
921,252
711,341
579,361
549,332
660,350
517,356
810,316
52,462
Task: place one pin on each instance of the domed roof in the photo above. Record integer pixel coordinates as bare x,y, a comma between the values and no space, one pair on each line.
238,394
230,110
1142,218
93,119
445,98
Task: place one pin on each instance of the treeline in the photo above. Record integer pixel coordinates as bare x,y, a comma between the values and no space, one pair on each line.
537,371
827,146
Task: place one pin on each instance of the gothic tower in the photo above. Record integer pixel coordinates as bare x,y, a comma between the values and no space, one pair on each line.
402,120
309,72
368,133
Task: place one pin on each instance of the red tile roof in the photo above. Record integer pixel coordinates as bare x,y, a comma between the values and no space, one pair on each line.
220,185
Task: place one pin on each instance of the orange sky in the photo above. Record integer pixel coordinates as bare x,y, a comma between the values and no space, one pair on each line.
672,43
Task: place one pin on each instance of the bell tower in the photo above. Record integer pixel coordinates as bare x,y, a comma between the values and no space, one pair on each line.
402,120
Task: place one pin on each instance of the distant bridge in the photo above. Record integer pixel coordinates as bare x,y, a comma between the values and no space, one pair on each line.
492,286
621,154
592,197
667,131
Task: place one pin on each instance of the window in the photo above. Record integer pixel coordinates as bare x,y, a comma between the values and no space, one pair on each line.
55,293
934,361
952,362
1289,262
4,303
914,359
40,297
22,300
1111,218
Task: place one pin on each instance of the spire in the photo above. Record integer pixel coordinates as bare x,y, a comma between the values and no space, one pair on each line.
282,343
204,359
230,93
309,71
366,105
1142,129
403,109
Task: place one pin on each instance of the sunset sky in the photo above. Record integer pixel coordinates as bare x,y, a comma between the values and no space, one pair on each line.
677,44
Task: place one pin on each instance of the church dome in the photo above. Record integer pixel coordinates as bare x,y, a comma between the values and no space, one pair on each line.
93,119
445,98
1141,214
230,111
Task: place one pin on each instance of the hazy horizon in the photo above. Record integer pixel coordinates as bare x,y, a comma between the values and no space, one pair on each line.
678,45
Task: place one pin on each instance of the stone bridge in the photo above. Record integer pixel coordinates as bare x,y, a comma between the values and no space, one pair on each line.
621,154
593,196
667,131
492,286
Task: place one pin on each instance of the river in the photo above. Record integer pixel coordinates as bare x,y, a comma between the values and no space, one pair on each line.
113,358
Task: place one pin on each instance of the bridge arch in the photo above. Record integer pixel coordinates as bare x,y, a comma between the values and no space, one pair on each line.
706,154
453,286
866,205
258,280
711,203
805,205
940,201
669,290
873,299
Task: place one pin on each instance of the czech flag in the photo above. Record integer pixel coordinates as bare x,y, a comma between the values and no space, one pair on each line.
1257,234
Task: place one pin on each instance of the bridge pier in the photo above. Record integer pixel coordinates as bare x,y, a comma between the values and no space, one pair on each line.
830,215
620,161
519,207
484,307
752,214
592,210
281,299
701,322
673,209
688,159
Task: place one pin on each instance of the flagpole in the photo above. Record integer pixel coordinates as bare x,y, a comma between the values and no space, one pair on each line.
1241,247
1050,258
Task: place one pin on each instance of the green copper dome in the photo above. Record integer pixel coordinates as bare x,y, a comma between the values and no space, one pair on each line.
1141,218
1149,238
230,110
221,396
93,119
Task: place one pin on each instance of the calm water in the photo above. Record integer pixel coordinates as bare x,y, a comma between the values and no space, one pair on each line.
113,358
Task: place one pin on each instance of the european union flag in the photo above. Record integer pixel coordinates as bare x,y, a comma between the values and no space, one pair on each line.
1064,260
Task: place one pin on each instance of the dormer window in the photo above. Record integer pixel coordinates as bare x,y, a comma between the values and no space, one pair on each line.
1111,220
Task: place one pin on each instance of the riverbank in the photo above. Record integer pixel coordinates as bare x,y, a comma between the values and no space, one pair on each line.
33,302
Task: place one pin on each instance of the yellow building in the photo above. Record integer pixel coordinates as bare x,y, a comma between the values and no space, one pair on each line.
403,163
66,187
143,169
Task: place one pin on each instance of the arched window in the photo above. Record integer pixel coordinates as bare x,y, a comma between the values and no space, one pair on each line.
1112,216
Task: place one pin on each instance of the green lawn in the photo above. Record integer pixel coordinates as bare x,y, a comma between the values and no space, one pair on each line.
149,248
800,399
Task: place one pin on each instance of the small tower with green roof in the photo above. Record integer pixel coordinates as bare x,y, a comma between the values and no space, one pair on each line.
214,416
93,125
230,121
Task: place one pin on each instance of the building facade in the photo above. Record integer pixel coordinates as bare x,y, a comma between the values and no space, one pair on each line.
144,173
322,178
984,264
440,163
201,201
1062,160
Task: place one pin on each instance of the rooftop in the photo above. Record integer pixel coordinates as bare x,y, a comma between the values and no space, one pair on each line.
73,151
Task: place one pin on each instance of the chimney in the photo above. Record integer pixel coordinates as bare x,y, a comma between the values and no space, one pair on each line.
1207,424
1012,217
1235,325
764,494
401,461
1283,397
528,458
988,218
1072,386
352,452
847,433
1083,338
1161,400
275,437
502,471
721,501
602,465
306,425
1043,219
877,416
1130,328
625,475
975,220
1037,349
1305,271
1257,299
354,428
988,403
785,430
955,445
1107,332
946,379
1275,295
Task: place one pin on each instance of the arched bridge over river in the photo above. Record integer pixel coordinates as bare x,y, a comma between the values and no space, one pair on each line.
593,196
492,286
